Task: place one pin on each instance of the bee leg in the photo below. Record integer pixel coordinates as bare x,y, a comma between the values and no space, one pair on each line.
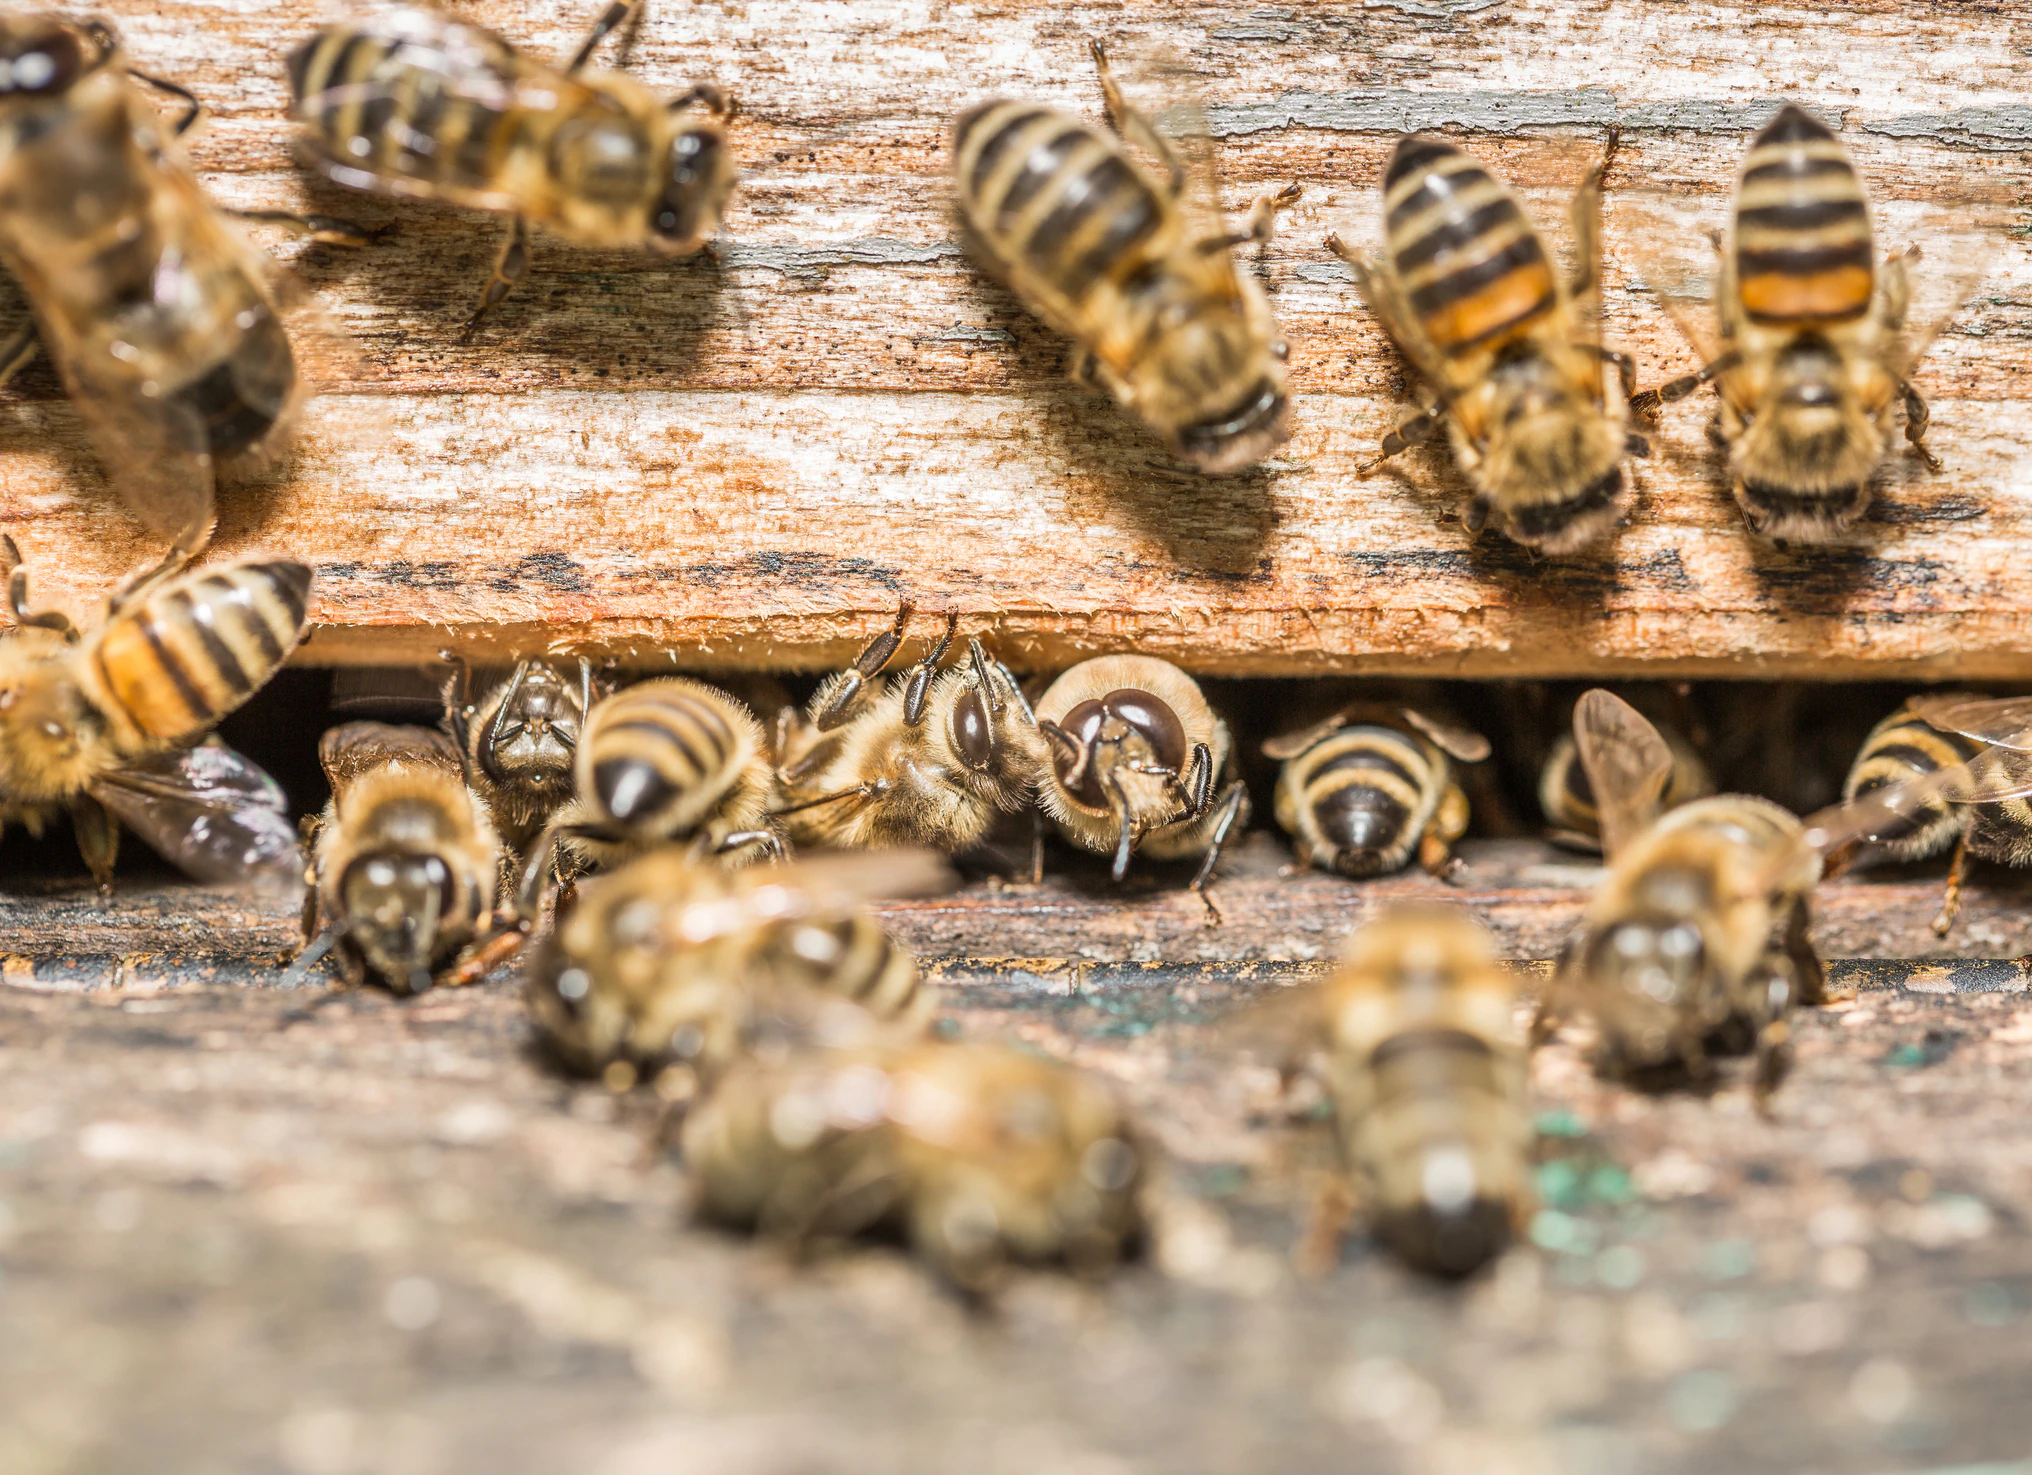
1131,123
1260,224
509,268
1415,431
98,839
1647,403
1036,846
1810,973
17,596
173,563
1917,418
1774,1058
1318,1249
712,98
18,351
1230,811
1625,366
485,956
920,676
331,230
768,841
1437,859
873,790
192,108
610,19
840,696
1950,901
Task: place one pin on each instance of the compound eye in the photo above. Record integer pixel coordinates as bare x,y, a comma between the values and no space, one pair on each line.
973,734
39,63
1154,719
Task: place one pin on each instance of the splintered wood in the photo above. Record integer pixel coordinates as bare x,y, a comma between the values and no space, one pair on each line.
750,460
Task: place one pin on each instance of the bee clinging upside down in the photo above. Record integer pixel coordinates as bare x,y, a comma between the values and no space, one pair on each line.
1122,262
519,741
1509,355
107,724
1364,791
413,103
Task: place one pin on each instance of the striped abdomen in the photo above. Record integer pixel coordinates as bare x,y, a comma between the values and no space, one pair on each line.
854,958
193,650
1053,196
412,97
1803,251
1464,254
1568,799
1903,747
656,759
1362,798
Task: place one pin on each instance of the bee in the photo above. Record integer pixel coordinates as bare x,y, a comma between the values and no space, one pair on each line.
1371,786
519,741
664,760
417,105
671,962
404,862
1817,342
927,759
1908,745
108,724
1139,277
980,1154
1699,933
165,324
1135,754
1511,357
1428,1080
1569,802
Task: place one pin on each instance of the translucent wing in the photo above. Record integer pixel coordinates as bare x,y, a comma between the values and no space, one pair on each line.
211,812
820,886
1627,764
1941,256
1291,744
1451,737
350,750
1997,773
2005,722
1671,246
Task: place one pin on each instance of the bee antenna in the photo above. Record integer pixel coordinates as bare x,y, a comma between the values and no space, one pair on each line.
494,727
1125,840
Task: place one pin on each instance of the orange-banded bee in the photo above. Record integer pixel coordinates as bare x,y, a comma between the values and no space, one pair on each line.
163,322
1370,787
1135,272
107,725
415,104
519,743
929,758
1909,745
1509,355
1816,340
404,863
1428,1082
981,1155
1698,936
671,962
1135,754
1568,800
664,760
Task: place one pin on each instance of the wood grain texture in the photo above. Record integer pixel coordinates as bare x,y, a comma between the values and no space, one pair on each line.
750,460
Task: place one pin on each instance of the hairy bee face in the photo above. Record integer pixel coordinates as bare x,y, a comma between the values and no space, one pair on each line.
39,58
50,736
393,903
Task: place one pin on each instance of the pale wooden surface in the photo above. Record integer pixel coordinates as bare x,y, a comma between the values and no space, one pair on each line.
750,462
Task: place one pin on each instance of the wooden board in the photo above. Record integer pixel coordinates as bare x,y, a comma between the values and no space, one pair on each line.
749,461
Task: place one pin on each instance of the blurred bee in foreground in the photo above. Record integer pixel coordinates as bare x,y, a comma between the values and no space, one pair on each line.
979,1154
672,964
1814,343
1697,942
1934,735
415,104
1135,267
1569,801
163,322
1511,357
404,863
1370,787
1135,754
929,758
107,725
518,743
1428,1080
662,761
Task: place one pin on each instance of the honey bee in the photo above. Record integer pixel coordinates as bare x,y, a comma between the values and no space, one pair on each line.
1817,343
404,862
518,743
980,1154
1428,1082
164,323
1371,786
1699,933
927,759
1511,357
1569,802
415,104
1135,753
671,962
107,724
1137,272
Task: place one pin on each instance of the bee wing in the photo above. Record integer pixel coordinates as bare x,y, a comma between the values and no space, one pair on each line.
2003,722
1460,742
1995,774
1627,764
210,811
151,450
1942,255
818,886
349,750
1674,245
1291,744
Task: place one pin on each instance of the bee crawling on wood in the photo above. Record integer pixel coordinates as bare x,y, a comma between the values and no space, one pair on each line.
415,104
980,1154
1812,342
1365,790
110,724
1133,264
1510,356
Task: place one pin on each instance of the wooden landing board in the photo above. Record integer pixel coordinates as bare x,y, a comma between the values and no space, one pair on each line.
750,461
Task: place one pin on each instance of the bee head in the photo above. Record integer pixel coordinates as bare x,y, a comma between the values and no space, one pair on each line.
48,730
533,734
42,57
991,729
393,902
693,181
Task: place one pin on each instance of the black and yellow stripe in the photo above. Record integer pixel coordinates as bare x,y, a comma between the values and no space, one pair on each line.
1369,793
1804,253
1568,799
193,650
1904,747
851,957
1465,256
658,757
